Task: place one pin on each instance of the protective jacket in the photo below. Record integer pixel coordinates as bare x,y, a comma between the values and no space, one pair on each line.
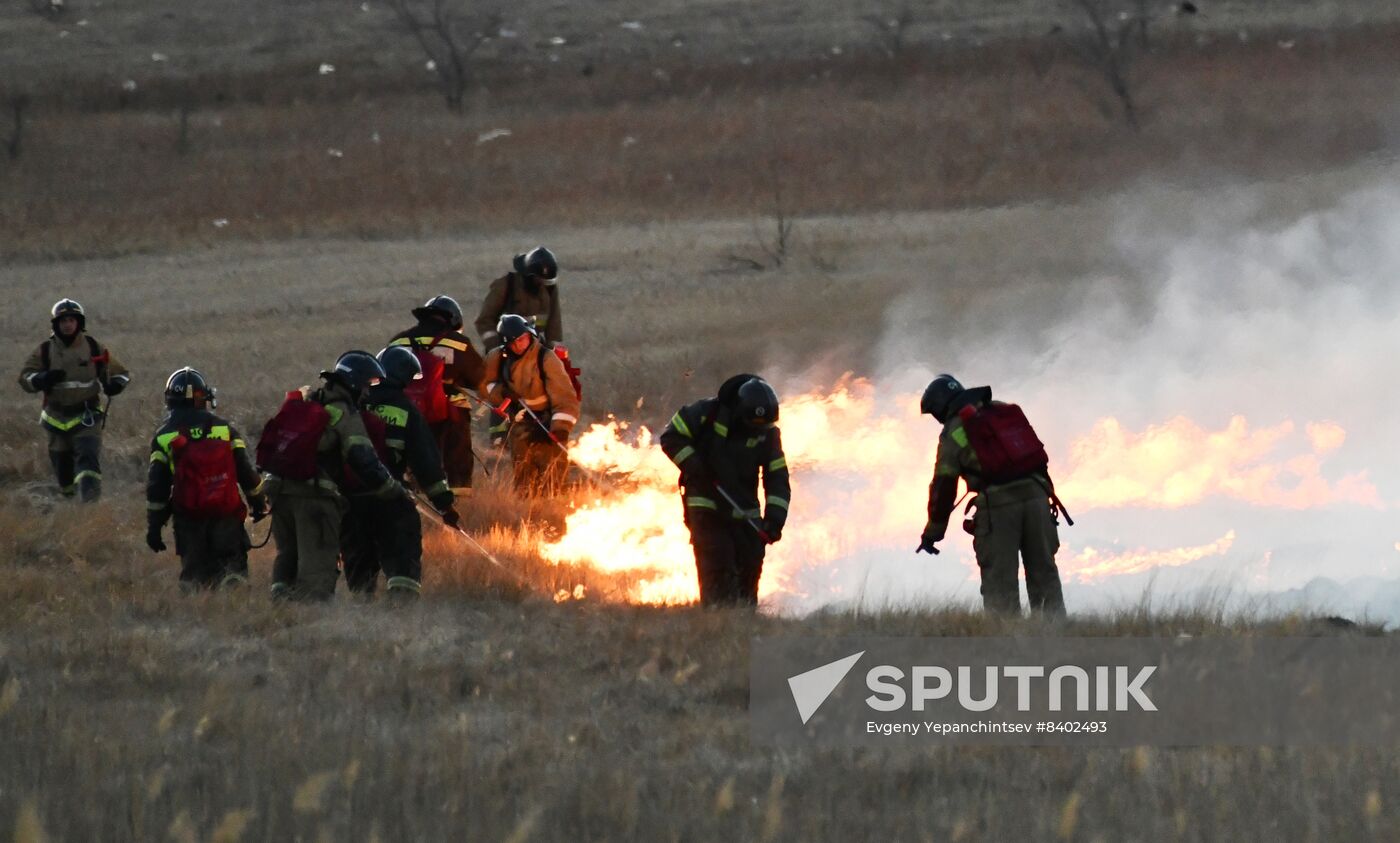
87,365
344,444
512,293
160,475
957,458
710,448
410,442
538,380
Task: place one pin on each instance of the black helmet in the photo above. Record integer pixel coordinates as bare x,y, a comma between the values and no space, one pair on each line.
757,404
511,327
538,262
441,307
400,366
357,371
68,307
187,388
939,395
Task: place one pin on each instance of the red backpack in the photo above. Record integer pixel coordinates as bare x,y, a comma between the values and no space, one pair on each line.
378,432
426,393
1004,441
289,441
206,477
562,353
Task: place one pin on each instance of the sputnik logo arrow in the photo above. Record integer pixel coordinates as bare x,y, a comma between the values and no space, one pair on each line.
810,689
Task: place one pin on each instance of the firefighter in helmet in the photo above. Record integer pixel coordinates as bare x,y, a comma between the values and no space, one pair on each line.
387,535
451,367
531,290
721,446
1015,512
199,463
321,430
531,388
72,370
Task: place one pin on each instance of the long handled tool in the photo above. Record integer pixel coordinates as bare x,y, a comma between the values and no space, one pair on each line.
426,508
593,476
739,510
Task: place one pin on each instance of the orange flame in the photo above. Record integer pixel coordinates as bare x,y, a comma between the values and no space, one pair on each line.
860,466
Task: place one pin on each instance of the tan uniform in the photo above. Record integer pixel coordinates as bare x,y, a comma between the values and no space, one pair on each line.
511,294
1014,524
536,380
72,410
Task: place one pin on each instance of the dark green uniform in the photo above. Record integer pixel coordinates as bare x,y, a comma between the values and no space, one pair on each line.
307,515
213,551
387,535
1014,522
711,450
72,412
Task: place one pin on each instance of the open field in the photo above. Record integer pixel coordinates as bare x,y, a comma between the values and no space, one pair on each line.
972,202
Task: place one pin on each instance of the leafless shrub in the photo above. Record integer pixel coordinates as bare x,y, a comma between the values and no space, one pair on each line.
18,104
891,28
450,32
1113,35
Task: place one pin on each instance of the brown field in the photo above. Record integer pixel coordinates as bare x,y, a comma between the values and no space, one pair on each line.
972,186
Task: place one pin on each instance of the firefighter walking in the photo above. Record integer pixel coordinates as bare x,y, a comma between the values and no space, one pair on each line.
530,386
72,370
307,450
721,446
450,366
198,465
991,446
387,534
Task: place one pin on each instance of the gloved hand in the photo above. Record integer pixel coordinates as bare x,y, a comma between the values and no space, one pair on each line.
560,435
153,539
451,518
774,528
926,546
44,381
258,507
114,386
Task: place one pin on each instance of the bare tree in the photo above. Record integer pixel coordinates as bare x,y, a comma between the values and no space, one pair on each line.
450,35
892,28
1114,36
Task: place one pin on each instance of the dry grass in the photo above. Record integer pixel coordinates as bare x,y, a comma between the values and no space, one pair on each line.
488,711
974,129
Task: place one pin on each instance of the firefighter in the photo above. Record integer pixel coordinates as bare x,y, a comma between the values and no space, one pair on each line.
72,370
531,387
198,464
386,535
439,334
308,450
530,290
721,445
1014,510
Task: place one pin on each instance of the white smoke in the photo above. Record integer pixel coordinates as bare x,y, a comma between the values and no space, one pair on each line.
1213,306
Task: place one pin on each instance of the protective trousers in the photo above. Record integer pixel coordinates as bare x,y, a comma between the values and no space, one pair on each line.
540,464
307,531
382,535
213,552
728,558
1007,533
454,441
76,458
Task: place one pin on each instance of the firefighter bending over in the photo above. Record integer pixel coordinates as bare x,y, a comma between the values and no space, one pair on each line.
721,445
992,447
